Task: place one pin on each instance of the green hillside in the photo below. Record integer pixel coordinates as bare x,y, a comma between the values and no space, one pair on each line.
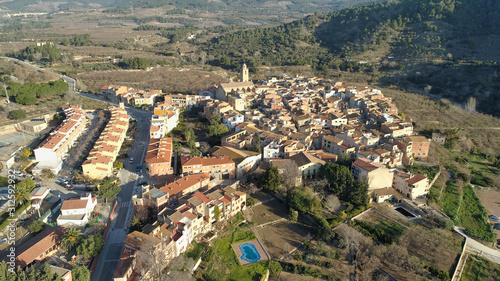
447,48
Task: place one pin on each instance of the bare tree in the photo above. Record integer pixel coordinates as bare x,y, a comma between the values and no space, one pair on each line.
289,174
332,203
470,106
251,188
319,186
205,147
152,258
179,269
353,240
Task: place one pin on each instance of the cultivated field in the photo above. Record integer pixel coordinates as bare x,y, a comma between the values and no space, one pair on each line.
491,201
267,212
282,237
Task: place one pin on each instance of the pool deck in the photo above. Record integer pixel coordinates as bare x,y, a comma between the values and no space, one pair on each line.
256,243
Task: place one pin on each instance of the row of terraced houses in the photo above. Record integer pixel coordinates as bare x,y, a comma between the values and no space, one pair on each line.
99,163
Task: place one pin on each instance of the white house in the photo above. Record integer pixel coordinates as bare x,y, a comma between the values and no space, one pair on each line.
77,210
38,195
232,119
272,150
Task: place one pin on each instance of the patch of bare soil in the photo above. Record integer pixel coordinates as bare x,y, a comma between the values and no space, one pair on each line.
491,201
282,237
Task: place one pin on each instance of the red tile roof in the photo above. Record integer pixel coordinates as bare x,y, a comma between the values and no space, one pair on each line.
184,183
36,246
159,151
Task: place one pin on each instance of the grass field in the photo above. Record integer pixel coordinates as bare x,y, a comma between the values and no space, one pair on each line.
450,199
473,216
478,268
196,251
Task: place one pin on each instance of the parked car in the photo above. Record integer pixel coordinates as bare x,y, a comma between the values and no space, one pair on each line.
143,183
131,161
37,185
496,226
494,218
138,168
69,187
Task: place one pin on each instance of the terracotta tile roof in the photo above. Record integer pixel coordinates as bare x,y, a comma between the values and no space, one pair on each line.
416,139
416,178
235,154
304,158
72,204
159,151
221,160
135,239
366,164
202,197
36,246
237,85
184,183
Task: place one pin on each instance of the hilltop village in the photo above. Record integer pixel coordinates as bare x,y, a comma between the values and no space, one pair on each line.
185,187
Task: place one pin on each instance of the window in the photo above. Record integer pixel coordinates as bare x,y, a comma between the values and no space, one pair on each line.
152,165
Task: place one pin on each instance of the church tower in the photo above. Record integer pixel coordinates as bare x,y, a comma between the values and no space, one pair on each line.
244,73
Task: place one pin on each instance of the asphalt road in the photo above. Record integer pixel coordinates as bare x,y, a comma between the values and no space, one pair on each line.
477,248
114,242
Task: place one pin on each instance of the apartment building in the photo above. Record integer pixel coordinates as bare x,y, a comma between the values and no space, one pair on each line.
164,120
221,167
420,146
185,185
50,153
99,163
158,159
410,185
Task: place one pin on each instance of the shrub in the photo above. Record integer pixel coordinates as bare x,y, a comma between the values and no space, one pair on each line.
36,226
250,202
274,268
17,114
298,255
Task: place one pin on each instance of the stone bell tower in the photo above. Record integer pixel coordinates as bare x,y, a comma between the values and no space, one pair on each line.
244,73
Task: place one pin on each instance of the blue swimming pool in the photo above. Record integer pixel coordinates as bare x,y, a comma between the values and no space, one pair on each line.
249,253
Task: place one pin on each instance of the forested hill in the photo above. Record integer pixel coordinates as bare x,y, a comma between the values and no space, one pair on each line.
449,48
250,7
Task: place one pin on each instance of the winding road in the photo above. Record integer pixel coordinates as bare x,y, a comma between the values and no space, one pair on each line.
477,248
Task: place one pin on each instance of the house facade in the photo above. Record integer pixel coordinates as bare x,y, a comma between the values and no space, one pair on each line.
77,211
